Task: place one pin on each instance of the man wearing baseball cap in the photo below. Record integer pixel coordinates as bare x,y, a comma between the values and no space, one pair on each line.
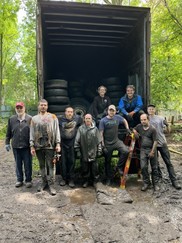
18,133
109,133
159,123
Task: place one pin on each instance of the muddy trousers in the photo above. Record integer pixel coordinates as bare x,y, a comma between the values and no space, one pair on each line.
23,157
67,162
164,151
90,170
123,151
45,157
144,163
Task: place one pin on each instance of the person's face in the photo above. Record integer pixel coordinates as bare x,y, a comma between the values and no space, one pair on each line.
20,110
151,110
111,112
144,120
102,91
88,120
130,92
69,113
43,107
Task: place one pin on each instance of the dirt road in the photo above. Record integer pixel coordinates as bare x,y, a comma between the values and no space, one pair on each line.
76,215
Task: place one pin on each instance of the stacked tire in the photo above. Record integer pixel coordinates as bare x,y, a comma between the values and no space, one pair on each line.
56,93
76,93
114,89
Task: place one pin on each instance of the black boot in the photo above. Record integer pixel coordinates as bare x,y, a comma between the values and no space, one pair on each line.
176,185
145,187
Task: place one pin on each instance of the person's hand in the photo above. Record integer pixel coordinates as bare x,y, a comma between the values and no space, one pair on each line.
8,147
32,150
131,113
105,151
151,154
58,148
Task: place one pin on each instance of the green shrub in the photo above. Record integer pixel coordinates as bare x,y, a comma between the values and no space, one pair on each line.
3,127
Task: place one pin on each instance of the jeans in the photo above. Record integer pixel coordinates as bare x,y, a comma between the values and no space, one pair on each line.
144,162
23,157
45,157
164,151
135,120
123,154
67,162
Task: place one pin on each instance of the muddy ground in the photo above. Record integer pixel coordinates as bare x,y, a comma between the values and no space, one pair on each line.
101,214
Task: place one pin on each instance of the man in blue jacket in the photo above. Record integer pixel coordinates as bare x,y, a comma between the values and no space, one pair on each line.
130,105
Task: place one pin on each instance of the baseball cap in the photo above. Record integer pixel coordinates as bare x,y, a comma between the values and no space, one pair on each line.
151,105
112,107
20,104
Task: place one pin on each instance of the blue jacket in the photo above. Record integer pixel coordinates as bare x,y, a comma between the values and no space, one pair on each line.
127,105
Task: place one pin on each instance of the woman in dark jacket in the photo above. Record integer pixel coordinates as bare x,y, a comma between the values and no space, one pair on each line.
100,103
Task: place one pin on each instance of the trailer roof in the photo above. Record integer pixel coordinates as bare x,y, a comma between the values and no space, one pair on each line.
82,24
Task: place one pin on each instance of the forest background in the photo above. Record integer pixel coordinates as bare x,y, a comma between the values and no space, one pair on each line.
18,79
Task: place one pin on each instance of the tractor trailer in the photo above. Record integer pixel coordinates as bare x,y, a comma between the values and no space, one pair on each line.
81,46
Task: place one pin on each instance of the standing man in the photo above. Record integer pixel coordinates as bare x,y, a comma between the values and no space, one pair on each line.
18,132
68,125
131,106
148,151
159,123
44,142
88,146
109,134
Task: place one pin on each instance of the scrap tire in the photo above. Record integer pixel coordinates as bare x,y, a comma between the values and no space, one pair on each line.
80,106
55,92
56,84
58,100
57,108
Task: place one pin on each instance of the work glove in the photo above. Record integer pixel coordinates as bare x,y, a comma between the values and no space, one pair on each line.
8,147
105,151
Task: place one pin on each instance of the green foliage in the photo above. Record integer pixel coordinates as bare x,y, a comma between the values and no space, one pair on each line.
177,137
35,165
3,127
18,67
166,68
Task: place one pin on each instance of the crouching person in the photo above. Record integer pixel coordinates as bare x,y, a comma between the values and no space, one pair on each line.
88,146
44,141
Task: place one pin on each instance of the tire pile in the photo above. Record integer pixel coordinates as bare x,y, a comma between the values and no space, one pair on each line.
114,89
56,93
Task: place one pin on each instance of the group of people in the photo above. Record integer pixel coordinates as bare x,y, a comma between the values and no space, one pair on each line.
71,136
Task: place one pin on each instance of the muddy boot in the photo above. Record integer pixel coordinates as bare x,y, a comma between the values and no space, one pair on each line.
62,182
71,184
176,185
42,186
145,187
52,190
85,184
